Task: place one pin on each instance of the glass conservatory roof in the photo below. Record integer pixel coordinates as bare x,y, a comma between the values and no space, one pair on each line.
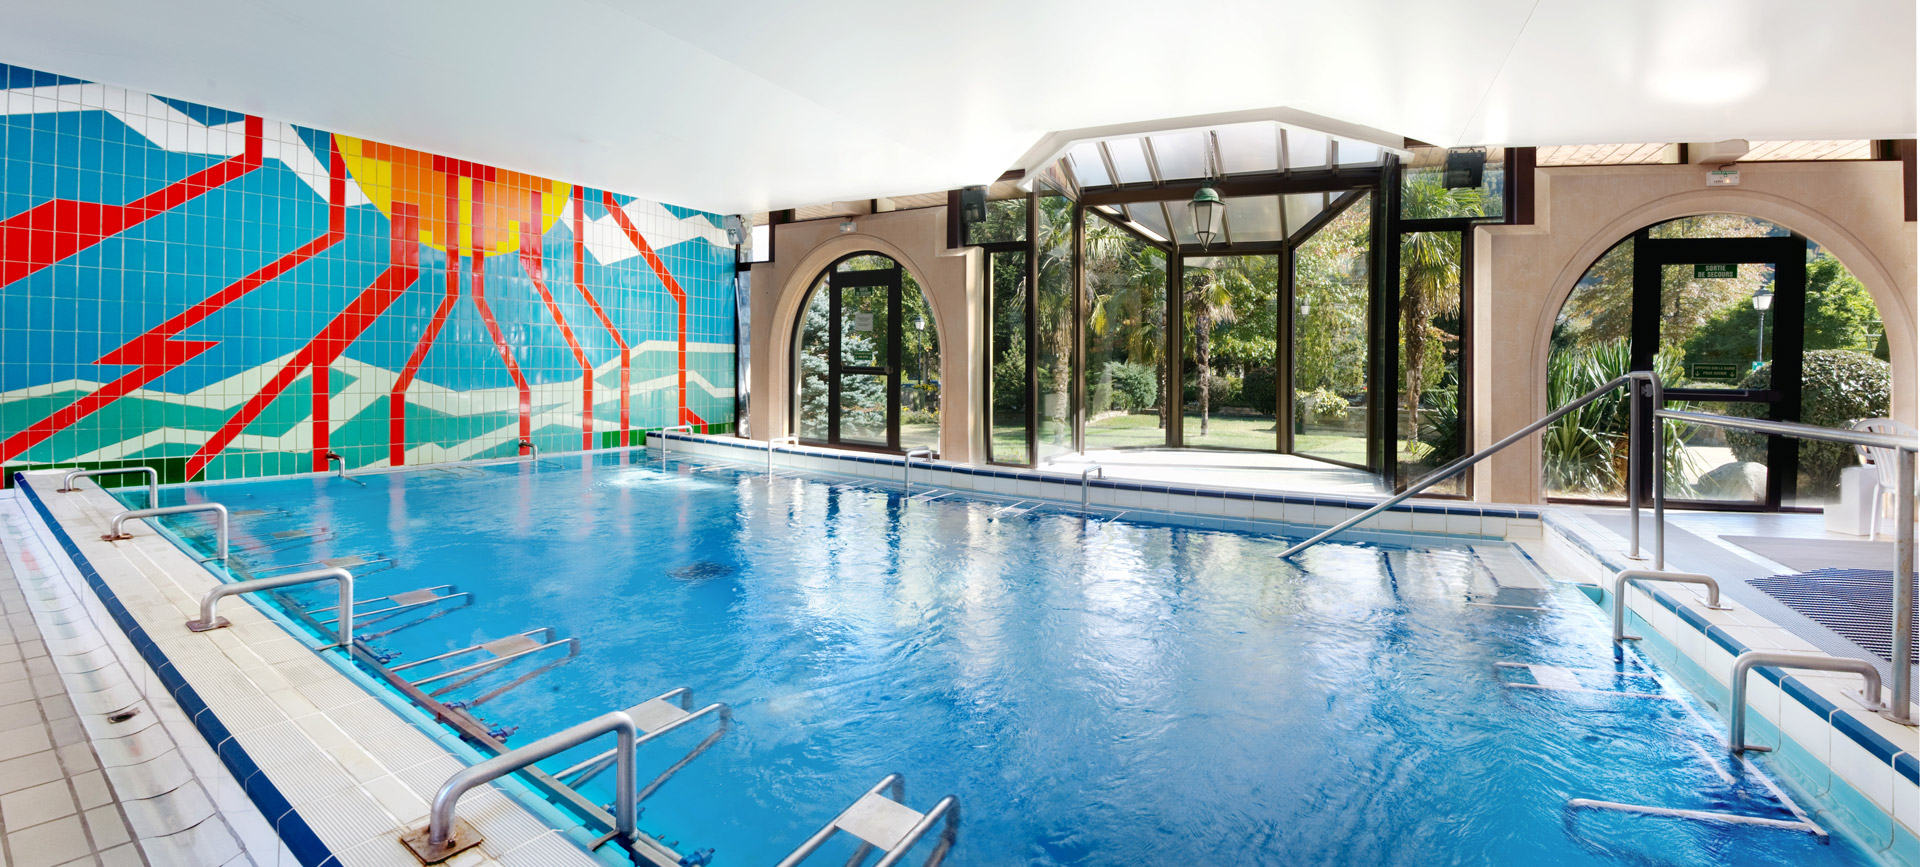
1250,219
1258,148
1227,151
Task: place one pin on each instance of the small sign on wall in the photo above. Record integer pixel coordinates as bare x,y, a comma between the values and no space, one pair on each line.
863,321
1723,178
1702,271
1714,372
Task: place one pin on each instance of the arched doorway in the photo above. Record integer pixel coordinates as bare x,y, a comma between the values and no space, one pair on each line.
867,359
1740,316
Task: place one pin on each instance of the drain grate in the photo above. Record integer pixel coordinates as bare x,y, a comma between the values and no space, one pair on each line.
1856,603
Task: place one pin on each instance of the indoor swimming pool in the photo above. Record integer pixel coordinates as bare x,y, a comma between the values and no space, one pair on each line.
1093,690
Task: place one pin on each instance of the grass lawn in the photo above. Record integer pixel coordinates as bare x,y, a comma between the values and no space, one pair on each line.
1235,432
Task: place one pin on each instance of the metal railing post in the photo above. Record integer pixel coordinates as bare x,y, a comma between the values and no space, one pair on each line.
1659,451
906,467
1635,441
341,471
533,452
153,480
209,621
1621,580
663,439
1093,468
1745,662
115,534
775,443
444,837
1901,710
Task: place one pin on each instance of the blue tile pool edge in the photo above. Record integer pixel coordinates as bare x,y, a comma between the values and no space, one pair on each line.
294,832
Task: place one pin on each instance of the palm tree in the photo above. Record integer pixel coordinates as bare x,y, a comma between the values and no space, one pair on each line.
1208,304
1429,279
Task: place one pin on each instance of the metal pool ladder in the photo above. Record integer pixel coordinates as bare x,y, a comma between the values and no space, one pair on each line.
497,654
882,822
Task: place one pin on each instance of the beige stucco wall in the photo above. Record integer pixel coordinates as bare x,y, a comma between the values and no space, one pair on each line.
918,240
1522,274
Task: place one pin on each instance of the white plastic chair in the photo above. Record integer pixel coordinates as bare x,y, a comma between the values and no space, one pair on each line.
1885,465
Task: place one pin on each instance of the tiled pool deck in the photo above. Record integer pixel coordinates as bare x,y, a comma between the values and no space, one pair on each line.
267,724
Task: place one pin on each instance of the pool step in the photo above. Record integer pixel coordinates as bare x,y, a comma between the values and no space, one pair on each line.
494,655
1556,678
656,717
880,821
425,601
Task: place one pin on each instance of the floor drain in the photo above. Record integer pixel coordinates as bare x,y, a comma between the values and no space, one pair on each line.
123,714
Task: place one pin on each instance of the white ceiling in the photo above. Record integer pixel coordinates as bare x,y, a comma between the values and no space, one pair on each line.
748,105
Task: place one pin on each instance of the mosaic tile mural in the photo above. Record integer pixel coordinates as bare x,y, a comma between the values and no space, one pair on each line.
220,296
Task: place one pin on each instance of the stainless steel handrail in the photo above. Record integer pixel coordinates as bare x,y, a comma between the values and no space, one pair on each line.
114,533
1745,662
341,472
1460,465
1901,706
153,480
533,451
906,467
209,621
442,839
775,443
1620,594
663,438
1091,468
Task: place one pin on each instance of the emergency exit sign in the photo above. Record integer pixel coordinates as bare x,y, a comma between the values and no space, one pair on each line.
1715,272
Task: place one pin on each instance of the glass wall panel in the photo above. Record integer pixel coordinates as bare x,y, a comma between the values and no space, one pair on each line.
1229,313
1424,194
1845,375
1586,453
920,368
1054,315
1007,278
863,409
1125,333
1430,433
864,329
1330,319
814,341
1006,221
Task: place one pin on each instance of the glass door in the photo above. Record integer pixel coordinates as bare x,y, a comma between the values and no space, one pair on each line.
1228,310
1704,313
862,374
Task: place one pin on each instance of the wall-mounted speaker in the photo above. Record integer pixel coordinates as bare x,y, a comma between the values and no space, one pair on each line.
1465,167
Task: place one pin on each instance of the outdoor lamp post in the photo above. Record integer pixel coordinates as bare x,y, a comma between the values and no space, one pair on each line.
1762,301
1207,210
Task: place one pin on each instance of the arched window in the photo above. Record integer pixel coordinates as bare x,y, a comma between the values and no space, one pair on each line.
1741,317
867,359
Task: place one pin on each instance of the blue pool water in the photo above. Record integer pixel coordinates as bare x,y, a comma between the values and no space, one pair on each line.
1118,693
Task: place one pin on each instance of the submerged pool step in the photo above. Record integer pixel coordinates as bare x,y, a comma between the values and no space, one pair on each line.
655,718
879,820
380,609
1556,678
499,653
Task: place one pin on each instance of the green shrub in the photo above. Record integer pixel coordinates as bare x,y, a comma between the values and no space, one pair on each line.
1586,450
1257,389
1323,406
1134,386
1837,388
919,416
